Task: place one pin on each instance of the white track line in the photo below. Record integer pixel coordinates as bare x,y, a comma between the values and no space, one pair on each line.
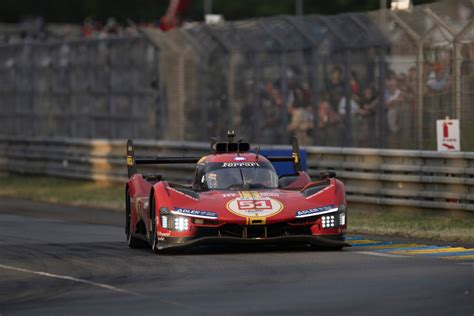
377,254
70,278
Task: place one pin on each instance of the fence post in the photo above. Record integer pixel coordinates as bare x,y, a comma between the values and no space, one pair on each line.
380,114
419,72
314,83
458,62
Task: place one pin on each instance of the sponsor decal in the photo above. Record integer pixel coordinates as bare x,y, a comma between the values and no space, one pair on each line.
238,158
129,160
319,192
184,194
316,211
161,234
226,195
240,164
194,213
249,206
269,194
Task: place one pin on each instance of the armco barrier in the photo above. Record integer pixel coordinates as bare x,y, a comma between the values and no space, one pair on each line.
373,177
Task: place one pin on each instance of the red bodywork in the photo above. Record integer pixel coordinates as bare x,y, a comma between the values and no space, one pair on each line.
238,215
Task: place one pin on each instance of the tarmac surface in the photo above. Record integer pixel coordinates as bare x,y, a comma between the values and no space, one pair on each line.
57,260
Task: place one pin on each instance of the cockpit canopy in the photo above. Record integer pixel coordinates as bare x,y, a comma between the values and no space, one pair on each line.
236,175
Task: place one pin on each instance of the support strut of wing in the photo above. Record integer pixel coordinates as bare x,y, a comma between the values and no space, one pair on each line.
295,156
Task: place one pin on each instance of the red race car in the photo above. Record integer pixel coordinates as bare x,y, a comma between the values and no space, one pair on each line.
236,197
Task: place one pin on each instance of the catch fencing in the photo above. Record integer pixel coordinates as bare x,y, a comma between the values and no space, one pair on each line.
375,178
81,88
378,79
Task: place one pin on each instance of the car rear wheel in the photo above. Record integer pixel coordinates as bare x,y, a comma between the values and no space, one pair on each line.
132,242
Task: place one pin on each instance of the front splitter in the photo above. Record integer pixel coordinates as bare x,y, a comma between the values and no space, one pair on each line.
317,241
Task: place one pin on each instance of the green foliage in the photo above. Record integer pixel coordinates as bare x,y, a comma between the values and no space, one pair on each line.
74,11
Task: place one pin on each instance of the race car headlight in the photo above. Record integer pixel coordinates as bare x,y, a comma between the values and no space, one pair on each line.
164,212
328,221
342,215
181,223
164,221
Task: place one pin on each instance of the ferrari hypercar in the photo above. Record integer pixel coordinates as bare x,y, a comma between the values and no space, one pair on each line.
235,197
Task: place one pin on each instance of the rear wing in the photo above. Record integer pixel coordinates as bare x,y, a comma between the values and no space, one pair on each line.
133,161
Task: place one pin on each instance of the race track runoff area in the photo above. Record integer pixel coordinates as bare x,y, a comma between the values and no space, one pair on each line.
65,261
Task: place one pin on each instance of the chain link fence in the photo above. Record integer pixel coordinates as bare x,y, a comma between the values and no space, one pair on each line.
378,79
84,88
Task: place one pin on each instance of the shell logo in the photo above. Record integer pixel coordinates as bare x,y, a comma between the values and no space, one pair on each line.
250,207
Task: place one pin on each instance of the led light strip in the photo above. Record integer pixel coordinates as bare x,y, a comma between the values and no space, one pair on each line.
193,215
332,210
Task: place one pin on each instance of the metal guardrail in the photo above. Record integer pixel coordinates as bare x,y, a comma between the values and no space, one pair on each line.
389,178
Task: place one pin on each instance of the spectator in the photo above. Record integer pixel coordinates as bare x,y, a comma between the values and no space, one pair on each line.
355,86
112,27
364,123
392,99
328,123
271,109
88,28
341,109
438,79
301,123
335,88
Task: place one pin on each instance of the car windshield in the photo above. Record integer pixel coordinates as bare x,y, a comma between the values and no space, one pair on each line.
241,175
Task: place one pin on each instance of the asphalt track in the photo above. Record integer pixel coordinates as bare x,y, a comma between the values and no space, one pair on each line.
58,260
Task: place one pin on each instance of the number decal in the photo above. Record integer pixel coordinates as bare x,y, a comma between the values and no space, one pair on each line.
254,204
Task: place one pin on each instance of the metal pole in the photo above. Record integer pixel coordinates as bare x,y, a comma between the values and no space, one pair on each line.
314,95
383,16
348,98
419,95
299,7
380,118
207,7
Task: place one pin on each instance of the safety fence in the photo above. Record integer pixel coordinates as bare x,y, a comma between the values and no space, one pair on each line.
80,88
377,79
374,178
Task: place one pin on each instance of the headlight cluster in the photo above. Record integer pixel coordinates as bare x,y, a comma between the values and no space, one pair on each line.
336,219
172,222
328,221
181,223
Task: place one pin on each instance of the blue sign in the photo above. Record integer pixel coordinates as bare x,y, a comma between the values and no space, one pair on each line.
285,167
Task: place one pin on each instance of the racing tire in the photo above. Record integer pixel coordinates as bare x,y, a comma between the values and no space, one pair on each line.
132,242
154,242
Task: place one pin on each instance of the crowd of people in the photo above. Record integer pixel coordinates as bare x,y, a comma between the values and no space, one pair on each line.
398,106
35,29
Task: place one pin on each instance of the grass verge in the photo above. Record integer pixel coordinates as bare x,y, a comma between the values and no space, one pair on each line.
63,191
429,225
435,225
